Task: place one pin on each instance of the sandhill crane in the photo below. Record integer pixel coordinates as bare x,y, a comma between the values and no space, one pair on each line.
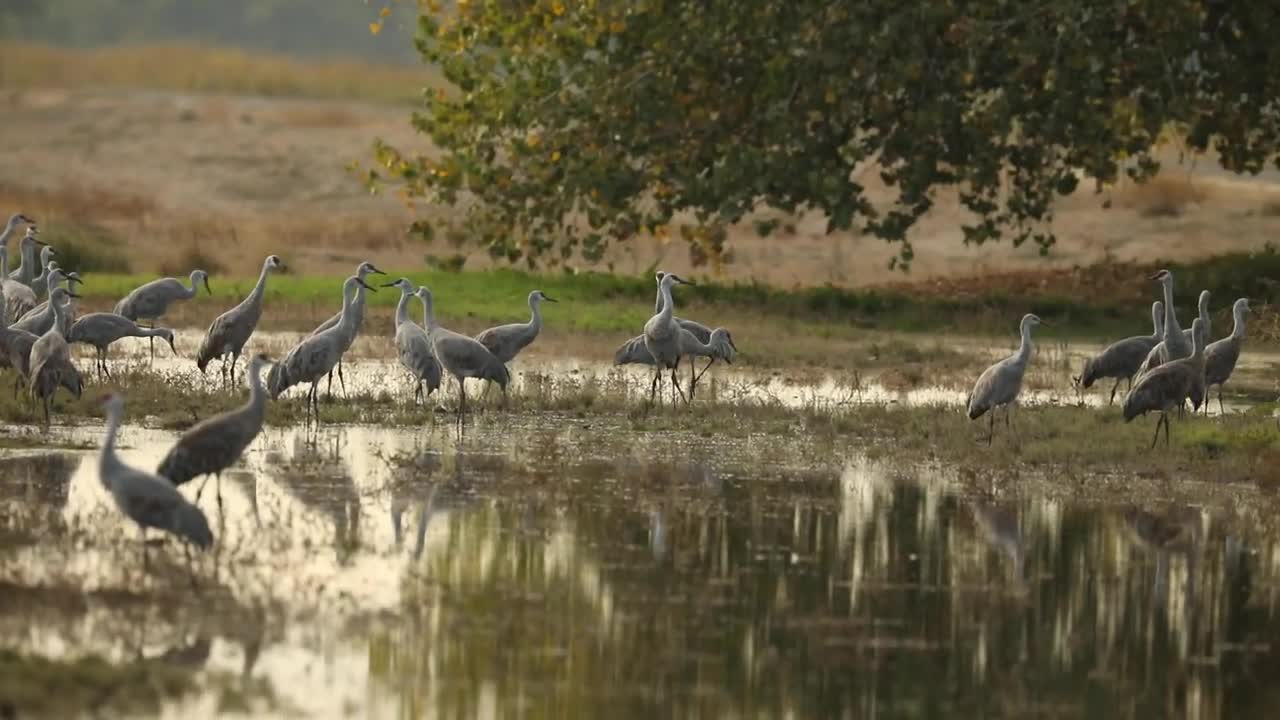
719,346
412,344
42,282
1175,344
216,443
700,331
17,350
18,297
506,341
38,284
661,336
462,356
1220,357
39,323
27,271
232,329
152,301
14,221
1123,359
316,355
1001,383
363,271
51,365
1202,312
148,500
1167,386
101,329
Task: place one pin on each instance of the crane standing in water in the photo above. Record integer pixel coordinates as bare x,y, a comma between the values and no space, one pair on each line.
1167,386
1001,383
148,500
1123,359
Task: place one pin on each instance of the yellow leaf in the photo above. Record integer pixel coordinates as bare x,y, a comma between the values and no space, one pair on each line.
535,140
617,26
555,156
375,28
385,11
557,7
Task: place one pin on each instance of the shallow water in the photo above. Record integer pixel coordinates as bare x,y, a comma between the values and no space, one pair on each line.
554,566
1049,379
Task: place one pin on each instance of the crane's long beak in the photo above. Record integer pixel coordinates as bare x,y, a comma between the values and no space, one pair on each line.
206,287
366,285
376,271
1155,276
1046,323
171,346
548,298
390,284
72,294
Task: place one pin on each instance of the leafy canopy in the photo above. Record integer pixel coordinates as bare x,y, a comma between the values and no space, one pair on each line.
577,124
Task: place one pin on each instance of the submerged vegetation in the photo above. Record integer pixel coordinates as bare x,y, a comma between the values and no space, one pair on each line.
1081,439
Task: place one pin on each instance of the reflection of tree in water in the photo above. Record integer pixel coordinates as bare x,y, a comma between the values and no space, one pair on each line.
43,479
317,475
780,591
33,492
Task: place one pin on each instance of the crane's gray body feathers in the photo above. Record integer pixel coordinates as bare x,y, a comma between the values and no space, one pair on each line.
216,443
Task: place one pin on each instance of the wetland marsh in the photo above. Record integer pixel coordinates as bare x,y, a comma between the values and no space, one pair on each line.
792,544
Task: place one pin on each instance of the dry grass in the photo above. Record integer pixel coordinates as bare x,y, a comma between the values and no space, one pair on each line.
189,68
1162,196
76,203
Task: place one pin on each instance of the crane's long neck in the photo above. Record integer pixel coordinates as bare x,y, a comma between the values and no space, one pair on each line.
59,314
257,392
1157,321
259,288
8,229
1237,328
535,311
190,292
152,333
402,309
657,303
1024,347
107,459
1204,318
428,312
4,259
28,261
668,310
1170,314
347,320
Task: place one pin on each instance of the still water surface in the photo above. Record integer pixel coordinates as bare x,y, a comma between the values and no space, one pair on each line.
553,567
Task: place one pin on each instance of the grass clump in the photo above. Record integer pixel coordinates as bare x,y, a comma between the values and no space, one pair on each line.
39,687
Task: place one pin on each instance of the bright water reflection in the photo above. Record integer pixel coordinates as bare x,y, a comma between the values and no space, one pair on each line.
587,570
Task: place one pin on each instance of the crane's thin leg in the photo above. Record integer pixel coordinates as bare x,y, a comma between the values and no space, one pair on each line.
1156,436
1113,392
235,360
710,362
462,402
1220,410
328,389
991,426
653,386
219,473
675,384
143,532
315,402
341,380
1166,432
200,490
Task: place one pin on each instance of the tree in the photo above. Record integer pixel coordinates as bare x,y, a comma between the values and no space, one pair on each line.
577,124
